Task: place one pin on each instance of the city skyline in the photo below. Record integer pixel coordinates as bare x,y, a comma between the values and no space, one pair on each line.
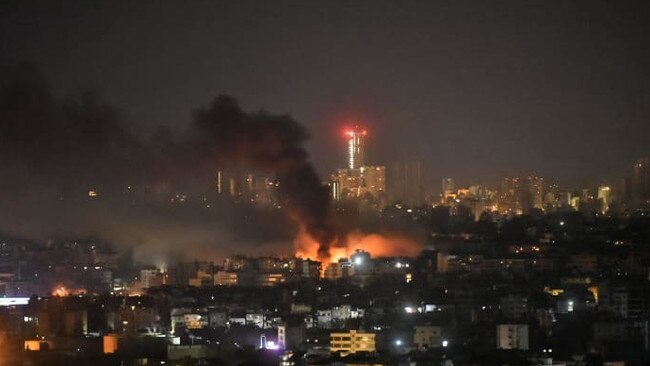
561,93
336,183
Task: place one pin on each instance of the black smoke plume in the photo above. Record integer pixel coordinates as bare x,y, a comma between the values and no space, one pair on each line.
53,151
274,143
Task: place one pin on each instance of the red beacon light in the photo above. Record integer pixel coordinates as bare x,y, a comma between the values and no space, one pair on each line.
350,132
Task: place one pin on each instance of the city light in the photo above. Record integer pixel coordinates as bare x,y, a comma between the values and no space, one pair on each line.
355,137
13,301
409,309
271,345
225,201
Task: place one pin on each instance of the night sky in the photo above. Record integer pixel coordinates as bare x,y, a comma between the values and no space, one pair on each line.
476,90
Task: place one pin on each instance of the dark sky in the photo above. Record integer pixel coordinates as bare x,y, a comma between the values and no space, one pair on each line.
477,90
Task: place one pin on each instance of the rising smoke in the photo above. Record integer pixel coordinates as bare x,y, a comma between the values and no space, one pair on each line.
53,151
274,143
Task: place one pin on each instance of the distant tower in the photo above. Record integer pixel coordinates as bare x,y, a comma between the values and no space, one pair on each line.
641,182
356,137
534,193
448,189
447,185
605,198
406,182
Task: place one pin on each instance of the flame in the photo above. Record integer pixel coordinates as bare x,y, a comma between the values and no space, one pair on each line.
377,245
306,245
62,291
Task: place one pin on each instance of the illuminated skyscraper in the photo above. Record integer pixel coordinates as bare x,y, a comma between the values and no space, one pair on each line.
605,198
356,137
335,187
358,181
373,180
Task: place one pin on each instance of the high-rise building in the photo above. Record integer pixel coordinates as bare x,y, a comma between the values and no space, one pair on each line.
150,277
373,180
358,183
641,182
358,180
405,180
259,190
508,197
521,195
605,198
448,190
346,183
477,198
586,195
563,199
479,192
627,191
448,185
335,188
534,188
356,141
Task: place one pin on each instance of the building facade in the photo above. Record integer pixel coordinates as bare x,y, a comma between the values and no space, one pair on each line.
352,342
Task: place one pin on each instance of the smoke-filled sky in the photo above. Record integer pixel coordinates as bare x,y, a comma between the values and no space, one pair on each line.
475,89
72,167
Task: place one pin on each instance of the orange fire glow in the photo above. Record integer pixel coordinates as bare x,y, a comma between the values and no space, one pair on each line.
62,291
376,244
